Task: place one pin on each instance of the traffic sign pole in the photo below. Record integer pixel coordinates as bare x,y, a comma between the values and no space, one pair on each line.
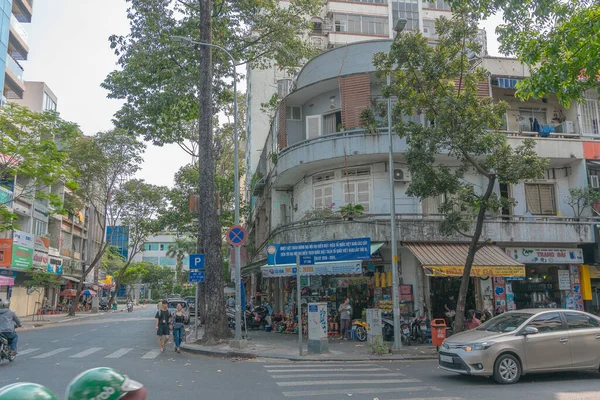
236,236
299,300
197,310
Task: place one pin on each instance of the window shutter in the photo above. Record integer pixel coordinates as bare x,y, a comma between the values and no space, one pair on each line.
349,196
547,199
318,197
327,196
363,194
313,126
532,199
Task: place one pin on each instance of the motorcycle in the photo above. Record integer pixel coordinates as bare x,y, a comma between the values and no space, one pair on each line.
387,330
256,318
129,307
103,306
360,329
5,353
418,327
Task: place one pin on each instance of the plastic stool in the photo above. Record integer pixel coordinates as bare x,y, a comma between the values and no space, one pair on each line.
352,333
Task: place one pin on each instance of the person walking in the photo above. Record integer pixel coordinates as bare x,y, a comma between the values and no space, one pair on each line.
162,325
345,312
179,320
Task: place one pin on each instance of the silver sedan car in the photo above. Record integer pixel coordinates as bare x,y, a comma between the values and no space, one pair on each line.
525,341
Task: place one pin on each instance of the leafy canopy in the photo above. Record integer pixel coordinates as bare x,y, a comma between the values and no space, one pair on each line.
559,41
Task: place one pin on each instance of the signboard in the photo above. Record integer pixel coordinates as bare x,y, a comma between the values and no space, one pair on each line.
317,321
513,272
196,276
335,250
197,262
341,268
307,260
22,250
54,265
500,294
564,279
5,253
8,272
575,297
236,235
528,255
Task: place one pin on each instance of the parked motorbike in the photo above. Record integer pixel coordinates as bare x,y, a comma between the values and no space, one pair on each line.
103,306
360,329
387,330
129,307
418,328
5,353
256,318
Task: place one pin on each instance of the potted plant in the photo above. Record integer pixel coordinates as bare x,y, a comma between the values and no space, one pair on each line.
349,211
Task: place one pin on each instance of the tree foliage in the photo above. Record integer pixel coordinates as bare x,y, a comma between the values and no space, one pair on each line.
159,280
33,148
558,40
183,246
460,135
582,199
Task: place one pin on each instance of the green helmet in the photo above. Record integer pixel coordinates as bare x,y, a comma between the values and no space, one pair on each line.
26,391
100,384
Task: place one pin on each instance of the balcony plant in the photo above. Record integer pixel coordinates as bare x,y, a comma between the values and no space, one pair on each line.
349,211
367,120
582,199
320,213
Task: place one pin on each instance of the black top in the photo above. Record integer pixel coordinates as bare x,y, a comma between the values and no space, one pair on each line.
179,319
451,304
163,317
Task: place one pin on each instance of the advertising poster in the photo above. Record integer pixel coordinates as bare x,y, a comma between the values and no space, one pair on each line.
22,250
499,293
5,253
575,298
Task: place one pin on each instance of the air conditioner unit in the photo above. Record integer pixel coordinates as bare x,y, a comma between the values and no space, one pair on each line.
565,127
401,175
595,181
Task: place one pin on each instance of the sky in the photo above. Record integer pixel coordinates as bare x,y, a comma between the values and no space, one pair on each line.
69,50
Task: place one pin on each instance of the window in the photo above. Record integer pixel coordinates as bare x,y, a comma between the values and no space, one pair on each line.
48,103
429,29
40,228
317,26
590,113
539,198
151,246
527,116
161,246
358,192
354,172
408,9
323,196
437,4
293,113
550,322
581,321
325,176
507,83
361,24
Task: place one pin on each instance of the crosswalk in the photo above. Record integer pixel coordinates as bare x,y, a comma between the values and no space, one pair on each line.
96,352
342,380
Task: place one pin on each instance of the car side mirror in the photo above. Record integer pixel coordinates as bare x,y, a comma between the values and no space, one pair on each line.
530,330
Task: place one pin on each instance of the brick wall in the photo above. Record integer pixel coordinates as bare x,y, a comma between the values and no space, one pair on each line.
483,87
356,96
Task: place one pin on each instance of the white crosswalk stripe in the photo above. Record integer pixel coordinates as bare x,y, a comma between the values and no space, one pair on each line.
86,352
27,351
337,380
119,353
52,353
151,354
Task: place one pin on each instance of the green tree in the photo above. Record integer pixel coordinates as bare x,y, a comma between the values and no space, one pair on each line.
32,149
556,39
40,281
159,280
182,247
140,204
582,199
104,163
440,82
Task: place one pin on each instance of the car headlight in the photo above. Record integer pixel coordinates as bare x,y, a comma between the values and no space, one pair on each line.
478,346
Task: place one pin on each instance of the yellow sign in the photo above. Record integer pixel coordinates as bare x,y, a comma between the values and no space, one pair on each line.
395,258
478,271
107,281
594,272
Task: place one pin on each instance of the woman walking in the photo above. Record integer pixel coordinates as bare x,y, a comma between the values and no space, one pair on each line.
179,318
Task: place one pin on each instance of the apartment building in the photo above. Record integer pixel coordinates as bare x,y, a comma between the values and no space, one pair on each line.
317,158
13,45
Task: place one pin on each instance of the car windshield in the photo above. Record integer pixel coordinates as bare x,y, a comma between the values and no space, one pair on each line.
505,322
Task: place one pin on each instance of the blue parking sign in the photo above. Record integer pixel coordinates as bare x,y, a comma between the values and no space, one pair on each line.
197,262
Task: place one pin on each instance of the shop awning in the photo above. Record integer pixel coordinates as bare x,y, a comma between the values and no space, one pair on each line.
326,268
71,278
6,281
448,259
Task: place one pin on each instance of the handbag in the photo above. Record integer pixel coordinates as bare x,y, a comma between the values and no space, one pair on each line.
177,325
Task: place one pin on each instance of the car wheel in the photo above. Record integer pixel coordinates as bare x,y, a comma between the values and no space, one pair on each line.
507,369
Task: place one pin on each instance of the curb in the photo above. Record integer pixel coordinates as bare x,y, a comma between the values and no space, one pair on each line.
41,324
242,354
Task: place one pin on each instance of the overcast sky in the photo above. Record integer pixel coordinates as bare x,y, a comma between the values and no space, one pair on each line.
69,50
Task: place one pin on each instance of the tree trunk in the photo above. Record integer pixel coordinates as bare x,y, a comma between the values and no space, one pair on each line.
459,320
118,282
209,239
75,301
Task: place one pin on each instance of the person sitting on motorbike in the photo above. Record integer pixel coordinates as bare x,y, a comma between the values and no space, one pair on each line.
472,321
104,383
129,303
8,322
26,391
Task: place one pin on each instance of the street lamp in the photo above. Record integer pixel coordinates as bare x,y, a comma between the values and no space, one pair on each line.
396,303
238,295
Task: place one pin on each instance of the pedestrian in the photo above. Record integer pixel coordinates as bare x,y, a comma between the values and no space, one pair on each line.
345,312
162,325
104,383
179,320
231,302
472,321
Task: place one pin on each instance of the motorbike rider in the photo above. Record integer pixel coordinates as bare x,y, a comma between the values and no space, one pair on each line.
129,303
26,391
8,322
104,383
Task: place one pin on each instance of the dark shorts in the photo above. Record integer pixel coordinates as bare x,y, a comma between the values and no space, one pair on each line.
163,330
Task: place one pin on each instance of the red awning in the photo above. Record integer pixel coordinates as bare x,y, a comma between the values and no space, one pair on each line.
6,281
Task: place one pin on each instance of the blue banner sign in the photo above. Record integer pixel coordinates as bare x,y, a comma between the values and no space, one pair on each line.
335,250
340,268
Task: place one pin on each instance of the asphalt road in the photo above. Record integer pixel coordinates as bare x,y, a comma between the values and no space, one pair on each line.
53,355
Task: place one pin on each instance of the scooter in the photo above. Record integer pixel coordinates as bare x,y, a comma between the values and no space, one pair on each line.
418,327
360,329
129,307
103,306
387,330
5,353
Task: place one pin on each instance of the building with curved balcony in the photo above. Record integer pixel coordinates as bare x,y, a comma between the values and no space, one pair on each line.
319,156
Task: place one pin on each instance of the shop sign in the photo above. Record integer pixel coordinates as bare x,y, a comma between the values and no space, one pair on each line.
335,250
564,280
594,272
352,268
8,273
40,258
512,272
55,265
5,253
528,255
22,250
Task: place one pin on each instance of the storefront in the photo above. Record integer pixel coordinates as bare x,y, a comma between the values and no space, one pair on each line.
552,279
7,280
443,267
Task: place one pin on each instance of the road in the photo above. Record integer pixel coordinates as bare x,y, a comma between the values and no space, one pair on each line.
54,354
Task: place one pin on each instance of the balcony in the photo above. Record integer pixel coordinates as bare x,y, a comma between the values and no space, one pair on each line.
327,151
22,10
17,40
14,87
509,230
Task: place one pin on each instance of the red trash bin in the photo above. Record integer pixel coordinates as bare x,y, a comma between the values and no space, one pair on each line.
438,331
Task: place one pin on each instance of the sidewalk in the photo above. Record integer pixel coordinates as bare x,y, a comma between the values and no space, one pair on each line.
285,346
38,321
